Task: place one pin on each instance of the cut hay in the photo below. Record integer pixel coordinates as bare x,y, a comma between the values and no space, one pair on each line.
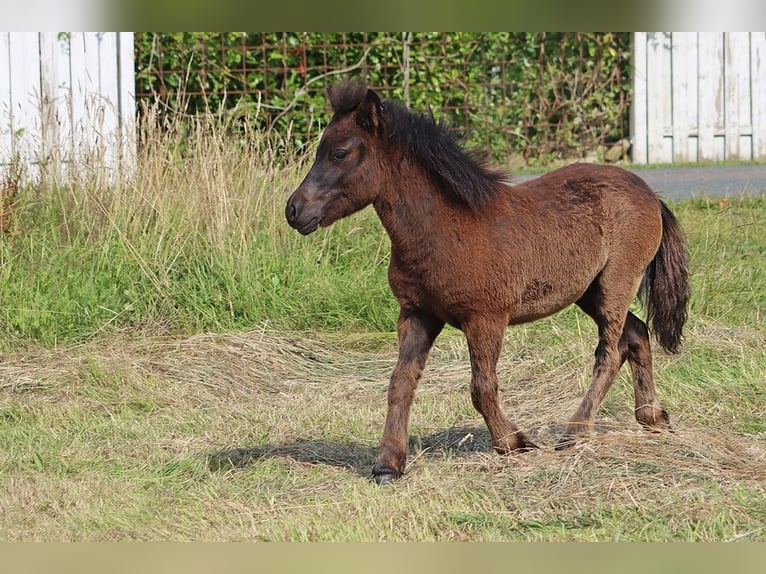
304,413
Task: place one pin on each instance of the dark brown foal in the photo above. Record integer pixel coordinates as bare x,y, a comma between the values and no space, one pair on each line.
470,250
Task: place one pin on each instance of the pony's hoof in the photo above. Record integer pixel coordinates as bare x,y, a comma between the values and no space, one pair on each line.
519,444
565,442
654,420
384,475
385,479
527,445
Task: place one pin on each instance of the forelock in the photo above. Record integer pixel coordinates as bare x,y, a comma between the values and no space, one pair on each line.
347,96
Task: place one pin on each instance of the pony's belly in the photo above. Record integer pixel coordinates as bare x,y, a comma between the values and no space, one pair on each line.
529,314
541,298
455,302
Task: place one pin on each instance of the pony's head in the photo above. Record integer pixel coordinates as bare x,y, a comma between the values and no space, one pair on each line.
342,179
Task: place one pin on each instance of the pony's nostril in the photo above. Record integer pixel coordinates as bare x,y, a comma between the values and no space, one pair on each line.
291,212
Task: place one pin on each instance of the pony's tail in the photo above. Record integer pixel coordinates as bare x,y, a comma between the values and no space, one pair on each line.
665,285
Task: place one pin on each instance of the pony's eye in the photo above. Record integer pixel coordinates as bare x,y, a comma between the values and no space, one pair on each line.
338,154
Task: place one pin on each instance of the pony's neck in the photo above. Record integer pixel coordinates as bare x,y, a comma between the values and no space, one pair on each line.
412,212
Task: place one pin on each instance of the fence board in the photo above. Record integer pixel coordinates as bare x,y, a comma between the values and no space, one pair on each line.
54,79
684,96
6,126
84,70
710,93
25,94
737,105
639,135
126,98
108,100
758,91
659,96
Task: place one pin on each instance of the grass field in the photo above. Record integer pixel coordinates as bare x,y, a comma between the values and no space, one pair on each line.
176,364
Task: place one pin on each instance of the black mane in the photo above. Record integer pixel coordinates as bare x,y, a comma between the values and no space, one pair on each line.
461,174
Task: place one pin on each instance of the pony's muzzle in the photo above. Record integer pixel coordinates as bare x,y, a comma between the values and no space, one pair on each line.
300,218
291,213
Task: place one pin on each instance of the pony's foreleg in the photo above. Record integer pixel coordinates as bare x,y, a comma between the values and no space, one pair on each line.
416,332
485,341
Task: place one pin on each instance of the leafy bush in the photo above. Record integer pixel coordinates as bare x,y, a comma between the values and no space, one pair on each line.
543,96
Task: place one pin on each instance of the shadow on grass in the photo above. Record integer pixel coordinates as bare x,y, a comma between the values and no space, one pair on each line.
356,457
359,458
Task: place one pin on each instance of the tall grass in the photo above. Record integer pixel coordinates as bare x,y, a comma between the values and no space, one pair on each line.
192,239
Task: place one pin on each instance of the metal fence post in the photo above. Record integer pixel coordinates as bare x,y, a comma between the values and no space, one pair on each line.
406,39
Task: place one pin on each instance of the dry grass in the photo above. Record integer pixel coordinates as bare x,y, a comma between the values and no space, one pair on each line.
271,436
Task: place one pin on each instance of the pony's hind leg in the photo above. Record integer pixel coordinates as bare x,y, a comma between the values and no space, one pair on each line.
608,362
609,313
485,341
635,346
417,332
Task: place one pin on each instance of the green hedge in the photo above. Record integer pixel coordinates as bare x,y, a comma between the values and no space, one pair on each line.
540,95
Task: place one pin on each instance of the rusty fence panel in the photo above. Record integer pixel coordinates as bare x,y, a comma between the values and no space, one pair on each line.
528,95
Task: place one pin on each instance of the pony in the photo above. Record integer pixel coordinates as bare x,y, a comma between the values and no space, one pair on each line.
472,250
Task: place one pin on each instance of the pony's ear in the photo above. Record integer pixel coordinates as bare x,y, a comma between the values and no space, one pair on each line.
369,112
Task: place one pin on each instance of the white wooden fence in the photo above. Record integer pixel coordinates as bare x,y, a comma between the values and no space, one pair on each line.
699,96
67,101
